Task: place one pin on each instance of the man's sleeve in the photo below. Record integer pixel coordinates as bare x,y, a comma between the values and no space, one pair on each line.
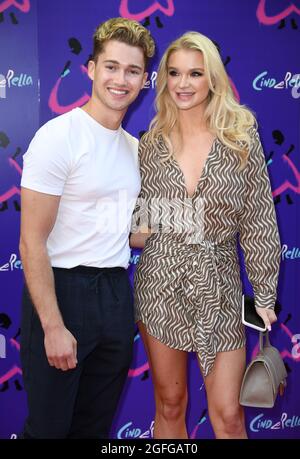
46,164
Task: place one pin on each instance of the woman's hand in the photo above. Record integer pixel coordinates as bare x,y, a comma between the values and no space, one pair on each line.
138,240
267,315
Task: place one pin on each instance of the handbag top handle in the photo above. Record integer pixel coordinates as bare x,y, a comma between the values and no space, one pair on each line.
261,340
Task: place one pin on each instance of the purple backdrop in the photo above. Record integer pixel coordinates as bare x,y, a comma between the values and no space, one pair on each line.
44,47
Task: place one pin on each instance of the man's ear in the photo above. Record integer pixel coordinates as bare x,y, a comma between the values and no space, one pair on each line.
91,69
145,76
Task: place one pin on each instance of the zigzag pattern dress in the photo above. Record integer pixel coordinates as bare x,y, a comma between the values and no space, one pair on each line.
187,284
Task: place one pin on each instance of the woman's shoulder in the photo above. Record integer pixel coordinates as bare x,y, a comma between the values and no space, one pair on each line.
149,138
256,152
149,142
252,130
145,138
254,140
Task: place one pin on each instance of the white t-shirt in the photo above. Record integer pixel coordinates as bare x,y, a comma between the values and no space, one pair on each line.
95,171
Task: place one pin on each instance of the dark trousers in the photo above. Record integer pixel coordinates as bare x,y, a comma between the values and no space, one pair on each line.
97,308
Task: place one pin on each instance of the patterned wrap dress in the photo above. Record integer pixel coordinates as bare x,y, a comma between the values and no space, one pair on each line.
187,284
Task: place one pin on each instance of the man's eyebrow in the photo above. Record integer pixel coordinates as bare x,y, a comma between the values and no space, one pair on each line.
112,61
135,66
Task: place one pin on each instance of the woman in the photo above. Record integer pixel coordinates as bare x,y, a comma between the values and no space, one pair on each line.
204,181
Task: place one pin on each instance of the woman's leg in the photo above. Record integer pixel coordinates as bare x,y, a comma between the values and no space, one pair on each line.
223,388
168,367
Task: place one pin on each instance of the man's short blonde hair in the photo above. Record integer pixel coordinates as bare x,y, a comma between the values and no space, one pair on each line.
126,31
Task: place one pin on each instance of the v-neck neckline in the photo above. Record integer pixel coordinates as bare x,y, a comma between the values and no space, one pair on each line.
203,172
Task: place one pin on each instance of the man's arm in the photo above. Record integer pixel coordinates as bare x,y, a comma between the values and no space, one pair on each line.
38,215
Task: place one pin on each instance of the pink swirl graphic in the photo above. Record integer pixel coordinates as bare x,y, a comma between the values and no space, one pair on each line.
196,428
287,185
15,343
15,369
234,89
134,372
263,18
54,104
284,353
156,6
14,189
23,6
10,374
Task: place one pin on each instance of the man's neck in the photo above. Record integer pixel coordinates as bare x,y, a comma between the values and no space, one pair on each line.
110,119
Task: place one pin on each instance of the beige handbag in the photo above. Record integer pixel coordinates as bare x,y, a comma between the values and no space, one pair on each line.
264,376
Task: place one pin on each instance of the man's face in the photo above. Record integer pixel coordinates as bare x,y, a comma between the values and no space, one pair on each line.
118,75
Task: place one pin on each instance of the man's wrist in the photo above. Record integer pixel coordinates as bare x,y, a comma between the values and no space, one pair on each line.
52,323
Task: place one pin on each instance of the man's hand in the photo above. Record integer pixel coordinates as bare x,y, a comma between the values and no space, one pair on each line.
267,315
61,348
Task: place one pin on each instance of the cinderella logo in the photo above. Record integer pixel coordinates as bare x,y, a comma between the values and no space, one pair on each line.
260,423
13,263
11,79
265,81
128,431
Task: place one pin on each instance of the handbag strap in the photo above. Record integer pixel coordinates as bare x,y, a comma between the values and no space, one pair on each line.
261,340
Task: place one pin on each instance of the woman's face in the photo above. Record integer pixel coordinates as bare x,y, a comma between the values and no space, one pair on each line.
187,83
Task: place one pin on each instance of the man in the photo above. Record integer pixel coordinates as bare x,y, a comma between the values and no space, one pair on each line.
79,186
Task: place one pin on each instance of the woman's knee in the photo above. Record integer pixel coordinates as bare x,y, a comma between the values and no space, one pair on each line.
172,404
229,420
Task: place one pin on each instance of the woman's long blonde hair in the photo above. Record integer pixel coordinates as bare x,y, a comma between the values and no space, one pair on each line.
225,117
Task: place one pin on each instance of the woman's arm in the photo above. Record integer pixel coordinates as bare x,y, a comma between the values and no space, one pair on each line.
140,230
138,240
258,231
